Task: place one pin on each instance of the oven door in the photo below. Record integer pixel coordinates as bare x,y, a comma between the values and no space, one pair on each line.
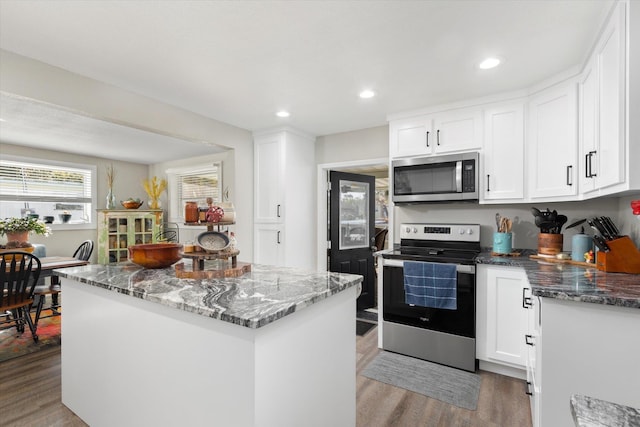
461,321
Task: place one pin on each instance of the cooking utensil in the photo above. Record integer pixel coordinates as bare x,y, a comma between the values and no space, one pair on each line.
498,217
615,233
610,234
577,223
596,226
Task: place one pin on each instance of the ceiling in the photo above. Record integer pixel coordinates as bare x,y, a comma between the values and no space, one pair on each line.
242,61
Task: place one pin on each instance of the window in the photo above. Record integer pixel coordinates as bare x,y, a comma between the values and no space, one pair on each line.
47,188
194,184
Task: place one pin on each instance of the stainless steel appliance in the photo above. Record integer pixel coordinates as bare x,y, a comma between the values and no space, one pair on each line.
436,179
438,335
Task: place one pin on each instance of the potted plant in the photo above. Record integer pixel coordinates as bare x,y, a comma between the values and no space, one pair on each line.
18,229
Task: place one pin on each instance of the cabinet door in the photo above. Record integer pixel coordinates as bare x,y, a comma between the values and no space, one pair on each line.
611,85
458,130
588,119
552,143
506,320
503,152
269,244
268,178
411,137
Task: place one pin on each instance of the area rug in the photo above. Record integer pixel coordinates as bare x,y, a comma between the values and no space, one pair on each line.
449,385
363,327
13,344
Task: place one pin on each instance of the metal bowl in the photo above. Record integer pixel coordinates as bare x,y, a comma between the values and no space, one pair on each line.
155,255
213,241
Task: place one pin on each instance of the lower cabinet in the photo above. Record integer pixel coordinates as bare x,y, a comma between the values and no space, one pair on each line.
502,320
269,244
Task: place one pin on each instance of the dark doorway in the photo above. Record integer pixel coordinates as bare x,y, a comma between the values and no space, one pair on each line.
352,230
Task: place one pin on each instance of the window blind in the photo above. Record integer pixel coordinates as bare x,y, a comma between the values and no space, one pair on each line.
23,181
198,185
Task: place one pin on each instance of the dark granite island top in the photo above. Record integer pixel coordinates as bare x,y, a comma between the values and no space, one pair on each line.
572,283
591,412
253,300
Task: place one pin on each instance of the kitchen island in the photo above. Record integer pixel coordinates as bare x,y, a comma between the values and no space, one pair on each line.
274,347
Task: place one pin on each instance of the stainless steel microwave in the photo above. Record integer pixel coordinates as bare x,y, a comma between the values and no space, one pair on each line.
436,178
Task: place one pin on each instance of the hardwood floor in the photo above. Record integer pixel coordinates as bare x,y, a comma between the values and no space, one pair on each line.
30,396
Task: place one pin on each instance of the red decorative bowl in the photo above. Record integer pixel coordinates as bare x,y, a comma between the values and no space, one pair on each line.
214,214
155,255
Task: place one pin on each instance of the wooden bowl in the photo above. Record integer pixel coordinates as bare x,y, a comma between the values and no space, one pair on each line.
131,204
155,255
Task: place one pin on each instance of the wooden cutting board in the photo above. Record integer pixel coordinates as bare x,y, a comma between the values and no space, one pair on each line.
563,261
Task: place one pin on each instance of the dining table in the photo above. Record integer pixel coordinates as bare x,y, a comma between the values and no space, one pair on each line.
47,265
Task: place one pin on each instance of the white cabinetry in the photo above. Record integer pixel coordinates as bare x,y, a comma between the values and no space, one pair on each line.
534,347
502,322
284,162
588,349
552,143
503,152
450,131
602,110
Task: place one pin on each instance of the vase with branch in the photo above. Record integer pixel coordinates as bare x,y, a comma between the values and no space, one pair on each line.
154,189
111,198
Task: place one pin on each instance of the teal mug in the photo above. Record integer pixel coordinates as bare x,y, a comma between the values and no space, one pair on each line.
502,243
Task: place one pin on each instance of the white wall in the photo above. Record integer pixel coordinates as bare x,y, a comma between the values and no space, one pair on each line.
371,143
33,79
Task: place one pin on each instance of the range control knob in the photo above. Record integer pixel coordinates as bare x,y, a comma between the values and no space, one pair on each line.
469,231
461,231
408,229
415,230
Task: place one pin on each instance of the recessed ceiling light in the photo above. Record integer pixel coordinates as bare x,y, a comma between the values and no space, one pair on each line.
283,114
489,63
367,94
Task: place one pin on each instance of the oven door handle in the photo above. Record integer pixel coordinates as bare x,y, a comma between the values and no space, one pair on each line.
461,268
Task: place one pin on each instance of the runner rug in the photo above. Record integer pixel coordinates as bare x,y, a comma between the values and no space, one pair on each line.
449,385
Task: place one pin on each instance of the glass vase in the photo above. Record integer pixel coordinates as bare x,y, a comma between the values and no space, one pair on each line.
111,200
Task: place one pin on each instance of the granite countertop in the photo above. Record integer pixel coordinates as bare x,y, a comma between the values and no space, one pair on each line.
591,412
254,299
570,282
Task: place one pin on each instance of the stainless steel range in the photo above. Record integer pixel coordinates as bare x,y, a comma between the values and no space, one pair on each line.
445,336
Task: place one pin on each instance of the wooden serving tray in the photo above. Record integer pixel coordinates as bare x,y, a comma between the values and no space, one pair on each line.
563,261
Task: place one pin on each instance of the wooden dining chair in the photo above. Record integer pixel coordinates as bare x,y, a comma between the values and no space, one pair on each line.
19,273
43,289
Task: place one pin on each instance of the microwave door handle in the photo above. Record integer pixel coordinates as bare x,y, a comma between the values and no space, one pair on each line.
459,176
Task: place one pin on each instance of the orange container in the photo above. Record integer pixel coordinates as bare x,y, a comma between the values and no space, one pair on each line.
191,212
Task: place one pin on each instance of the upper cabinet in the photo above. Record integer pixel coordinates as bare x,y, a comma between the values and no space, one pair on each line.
602,111
552,143
450,131
503,153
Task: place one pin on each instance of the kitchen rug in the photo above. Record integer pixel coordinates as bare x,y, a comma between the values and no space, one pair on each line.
363,327
449,385
13,344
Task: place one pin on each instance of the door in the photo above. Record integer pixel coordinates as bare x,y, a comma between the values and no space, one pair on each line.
352,230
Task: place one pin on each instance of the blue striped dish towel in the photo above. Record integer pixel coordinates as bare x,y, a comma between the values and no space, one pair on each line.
430,284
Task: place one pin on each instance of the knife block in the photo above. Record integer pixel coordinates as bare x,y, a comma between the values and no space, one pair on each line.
623,257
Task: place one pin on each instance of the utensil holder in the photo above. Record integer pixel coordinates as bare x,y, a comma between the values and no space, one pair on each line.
623,257
549,244
502,243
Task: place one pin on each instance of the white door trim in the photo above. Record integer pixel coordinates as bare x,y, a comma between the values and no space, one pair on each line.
321,250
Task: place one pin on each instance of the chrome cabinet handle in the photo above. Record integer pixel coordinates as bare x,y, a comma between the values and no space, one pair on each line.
569,168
